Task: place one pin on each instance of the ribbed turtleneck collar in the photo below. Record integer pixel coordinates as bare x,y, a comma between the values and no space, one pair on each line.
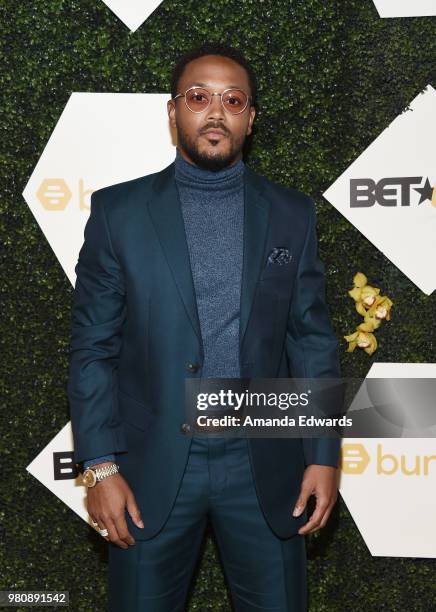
194,176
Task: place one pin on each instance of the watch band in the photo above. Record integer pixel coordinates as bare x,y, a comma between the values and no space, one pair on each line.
92,475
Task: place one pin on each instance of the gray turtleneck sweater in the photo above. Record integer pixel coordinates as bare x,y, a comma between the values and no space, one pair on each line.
212,206
213,213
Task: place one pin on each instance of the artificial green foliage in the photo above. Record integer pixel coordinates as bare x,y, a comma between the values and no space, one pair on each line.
332,76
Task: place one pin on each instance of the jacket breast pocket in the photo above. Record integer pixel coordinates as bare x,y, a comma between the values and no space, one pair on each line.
278,278
134,412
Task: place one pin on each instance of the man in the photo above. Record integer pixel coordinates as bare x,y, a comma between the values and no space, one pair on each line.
173,282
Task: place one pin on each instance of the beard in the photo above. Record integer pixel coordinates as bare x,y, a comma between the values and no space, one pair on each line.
206,161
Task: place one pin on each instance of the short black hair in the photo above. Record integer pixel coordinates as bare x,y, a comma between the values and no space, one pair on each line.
213,48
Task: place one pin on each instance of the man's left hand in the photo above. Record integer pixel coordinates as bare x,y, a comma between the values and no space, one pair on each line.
321,481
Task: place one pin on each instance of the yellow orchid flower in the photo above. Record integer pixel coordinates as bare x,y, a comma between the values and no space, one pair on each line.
379,310
373,307
382,308
363,294
359,279
352,341
366,340
355,293
368,295
362,339
371,323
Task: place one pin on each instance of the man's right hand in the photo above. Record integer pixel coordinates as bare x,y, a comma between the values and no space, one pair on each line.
106,503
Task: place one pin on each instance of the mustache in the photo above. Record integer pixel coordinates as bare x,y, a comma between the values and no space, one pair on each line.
213,126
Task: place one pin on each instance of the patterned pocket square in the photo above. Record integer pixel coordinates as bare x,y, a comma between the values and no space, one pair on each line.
280,256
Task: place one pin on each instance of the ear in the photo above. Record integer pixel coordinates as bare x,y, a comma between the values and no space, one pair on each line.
171,108
251,119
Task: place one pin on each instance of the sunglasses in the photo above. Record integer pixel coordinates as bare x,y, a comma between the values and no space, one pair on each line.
198,99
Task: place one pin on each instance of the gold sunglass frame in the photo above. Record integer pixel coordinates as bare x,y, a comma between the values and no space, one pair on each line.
215,93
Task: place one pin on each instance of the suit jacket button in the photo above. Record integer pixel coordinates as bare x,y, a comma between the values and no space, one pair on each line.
185,428
192,367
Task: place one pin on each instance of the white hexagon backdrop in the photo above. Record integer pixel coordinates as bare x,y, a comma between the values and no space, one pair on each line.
54,468
405,8
388,484
392,185
132,13
100,139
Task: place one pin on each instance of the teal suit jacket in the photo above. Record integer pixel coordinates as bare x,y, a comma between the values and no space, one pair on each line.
135,337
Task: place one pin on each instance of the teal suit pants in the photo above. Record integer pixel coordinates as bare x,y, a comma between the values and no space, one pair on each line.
263,572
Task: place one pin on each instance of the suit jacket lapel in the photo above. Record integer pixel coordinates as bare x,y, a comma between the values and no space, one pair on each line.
166,214
256,220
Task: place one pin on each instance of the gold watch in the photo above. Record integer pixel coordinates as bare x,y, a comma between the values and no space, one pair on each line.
93,475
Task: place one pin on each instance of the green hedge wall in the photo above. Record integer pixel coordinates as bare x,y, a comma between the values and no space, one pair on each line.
339,75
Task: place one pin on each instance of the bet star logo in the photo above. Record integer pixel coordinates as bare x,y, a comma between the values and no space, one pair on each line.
396,191
427,193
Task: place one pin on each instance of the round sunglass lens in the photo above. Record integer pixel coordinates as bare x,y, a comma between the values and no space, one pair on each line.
235,100
197,99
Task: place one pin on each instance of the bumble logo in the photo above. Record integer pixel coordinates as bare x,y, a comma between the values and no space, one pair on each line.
354,458
54,194
389,464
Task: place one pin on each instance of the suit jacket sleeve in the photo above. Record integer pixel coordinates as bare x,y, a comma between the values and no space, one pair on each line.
98,313
97,460
311,345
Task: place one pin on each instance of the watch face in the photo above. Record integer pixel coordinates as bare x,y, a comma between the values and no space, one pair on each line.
89,478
